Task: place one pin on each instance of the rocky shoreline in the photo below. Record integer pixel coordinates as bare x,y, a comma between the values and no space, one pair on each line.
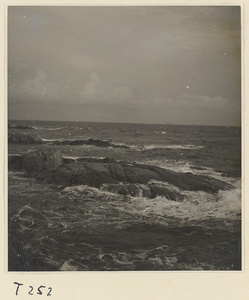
25,138
100,207
119,177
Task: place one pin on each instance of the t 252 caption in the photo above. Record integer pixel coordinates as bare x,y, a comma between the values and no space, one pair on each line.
41,290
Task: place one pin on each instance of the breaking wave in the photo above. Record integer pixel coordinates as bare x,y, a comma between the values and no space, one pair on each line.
87,218
186,167
176,147
23,126
49,128
196,205
113,144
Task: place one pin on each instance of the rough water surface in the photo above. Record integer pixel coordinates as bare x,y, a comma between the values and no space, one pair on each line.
79,227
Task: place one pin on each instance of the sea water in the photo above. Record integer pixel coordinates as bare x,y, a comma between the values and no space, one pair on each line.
82,228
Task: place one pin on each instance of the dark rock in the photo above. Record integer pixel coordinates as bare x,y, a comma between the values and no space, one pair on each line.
127,189
96,174
107,257
48,166
140,190
162,190
99,143
136,190
15,162
36,161
24,138
92,179
68,160
60,176
92,142
116,189
132,175
117,171
108,160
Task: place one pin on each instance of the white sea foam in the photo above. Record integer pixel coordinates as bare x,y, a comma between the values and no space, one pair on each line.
71,157
197,206
161,132
185,147
117,143
186,167
230,200
74,157
177,166
68,267
52,140
155,147
81,189
49,128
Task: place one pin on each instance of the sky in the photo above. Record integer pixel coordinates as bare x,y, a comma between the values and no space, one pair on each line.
143,64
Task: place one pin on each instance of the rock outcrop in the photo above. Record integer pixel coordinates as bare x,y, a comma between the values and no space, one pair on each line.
37,161
92,142
120,177
24,138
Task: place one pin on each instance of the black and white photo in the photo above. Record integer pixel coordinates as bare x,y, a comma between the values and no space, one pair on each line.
124,138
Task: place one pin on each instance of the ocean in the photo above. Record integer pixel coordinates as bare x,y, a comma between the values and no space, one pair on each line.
88,227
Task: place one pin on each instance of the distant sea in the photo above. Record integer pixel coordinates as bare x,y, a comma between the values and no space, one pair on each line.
82,228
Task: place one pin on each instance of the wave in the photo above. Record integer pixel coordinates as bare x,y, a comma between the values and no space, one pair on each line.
230,200
160,132
183,167
196,206
187,167
33,139
113,144
100,230
15,126
158,147
89,142
48,128
185,147
51,140
74,158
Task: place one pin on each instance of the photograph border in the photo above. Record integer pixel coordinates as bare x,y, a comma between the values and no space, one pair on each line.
127,284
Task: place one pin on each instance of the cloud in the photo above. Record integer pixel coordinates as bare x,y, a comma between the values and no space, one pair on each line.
202,102
122,92
194,102
97,91
91,88
104,58
37,88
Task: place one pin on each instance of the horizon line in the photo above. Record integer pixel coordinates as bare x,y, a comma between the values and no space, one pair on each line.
112,122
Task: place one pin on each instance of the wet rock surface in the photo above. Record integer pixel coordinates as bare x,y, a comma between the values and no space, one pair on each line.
35,161
119,177
24,138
